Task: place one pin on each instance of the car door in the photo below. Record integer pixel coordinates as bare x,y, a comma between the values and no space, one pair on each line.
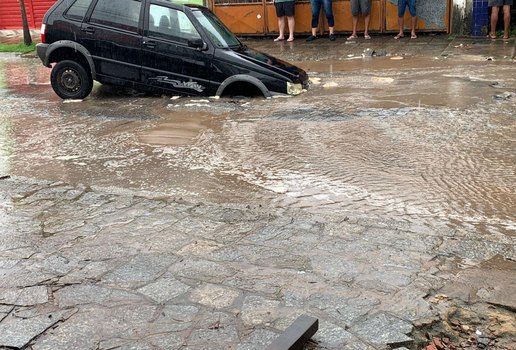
168,59
111,35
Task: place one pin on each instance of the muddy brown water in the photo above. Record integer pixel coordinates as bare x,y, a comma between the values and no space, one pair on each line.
420,140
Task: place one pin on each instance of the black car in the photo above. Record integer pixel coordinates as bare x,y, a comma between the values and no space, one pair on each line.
154,45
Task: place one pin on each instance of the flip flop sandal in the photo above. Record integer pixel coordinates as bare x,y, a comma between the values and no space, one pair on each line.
491,36
278,39
413,36
398,36
367,37
352,37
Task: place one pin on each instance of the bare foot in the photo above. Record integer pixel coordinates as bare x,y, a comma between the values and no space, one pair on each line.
290,38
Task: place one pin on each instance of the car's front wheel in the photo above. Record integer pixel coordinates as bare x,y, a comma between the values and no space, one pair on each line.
70,80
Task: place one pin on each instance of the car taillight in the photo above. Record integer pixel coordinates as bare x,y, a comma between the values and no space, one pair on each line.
43,36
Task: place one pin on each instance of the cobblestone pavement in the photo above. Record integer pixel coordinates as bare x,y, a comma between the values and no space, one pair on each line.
82,268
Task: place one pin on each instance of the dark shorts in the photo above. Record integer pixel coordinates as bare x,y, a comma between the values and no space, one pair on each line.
284,8
402,4
499,2
360,7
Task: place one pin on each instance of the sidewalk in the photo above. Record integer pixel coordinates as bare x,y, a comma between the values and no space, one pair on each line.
430,45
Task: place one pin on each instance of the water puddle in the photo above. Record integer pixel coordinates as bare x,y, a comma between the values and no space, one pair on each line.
425,142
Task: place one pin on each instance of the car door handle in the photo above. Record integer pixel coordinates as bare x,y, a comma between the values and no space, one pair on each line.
149,43
88,30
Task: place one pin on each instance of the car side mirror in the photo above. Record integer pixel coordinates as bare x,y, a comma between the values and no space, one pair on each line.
198,44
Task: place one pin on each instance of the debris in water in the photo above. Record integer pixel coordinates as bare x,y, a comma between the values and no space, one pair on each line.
504,96
175,97
330,84
396,58
315,81
5,177
72,101
200,101
382,80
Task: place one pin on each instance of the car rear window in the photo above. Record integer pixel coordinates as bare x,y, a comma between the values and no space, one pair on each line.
78,10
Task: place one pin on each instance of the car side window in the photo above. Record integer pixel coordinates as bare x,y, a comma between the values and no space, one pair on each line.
122,14
171,24
78,10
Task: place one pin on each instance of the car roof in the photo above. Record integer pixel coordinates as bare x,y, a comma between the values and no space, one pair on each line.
180,4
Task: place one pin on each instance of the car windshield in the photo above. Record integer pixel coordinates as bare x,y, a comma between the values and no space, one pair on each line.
217,31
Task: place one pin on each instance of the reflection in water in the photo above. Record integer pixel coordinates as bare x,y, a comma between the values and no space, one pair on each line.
426,145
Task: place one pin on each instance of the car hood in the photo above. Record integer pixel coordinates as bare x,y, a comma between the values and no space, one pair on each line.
278,66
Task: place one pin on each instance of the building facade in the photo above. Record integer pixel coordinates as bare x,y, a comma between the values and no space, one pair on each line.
258,17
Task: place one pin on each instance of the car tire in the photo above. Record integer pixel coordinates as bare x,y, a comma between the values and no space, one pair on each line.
70,80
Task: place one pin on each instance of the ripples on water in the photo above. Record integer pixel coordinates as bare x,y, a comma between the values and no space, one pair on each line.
398,162
323,153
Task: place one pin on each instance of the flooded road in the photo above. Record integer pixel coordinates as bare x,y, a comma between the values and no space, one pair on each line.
426,141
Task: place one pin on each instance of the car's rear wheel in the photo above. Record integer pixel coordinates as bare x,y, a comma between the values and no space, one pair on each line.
70,80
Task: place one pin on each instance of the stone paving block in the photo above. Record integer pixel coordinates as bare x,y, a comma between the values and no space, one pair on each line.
92,294
336,267
259,339
214,296
344,309
221,336
177,314
332,336
58,264
164,289
478,250
358,345
272,256
199,248
202,270
18,332
165,341
24,297
139,270
384,281
257,310
92,272
383,329
25,278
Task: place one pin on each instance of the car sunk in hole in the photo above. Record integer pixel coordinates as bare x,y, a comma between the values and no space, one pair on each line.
155,45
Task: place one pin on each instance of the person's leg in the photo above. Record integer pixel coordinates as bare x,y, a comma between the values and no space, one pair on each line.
281,26
413,20
281,20
316,9
328,11
506,20
355,23
366,11
291,27
355,6
366,30
402,4
494,21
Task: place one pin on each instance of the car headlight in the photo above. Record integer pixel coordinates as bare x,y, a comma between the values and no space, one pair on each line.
294,89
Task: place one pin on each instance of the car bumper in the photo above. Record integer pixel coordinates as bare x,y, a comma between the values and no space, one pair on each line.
41,50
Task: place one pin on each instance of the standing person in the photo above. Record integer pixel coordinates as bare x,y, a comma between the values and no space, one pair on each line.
364,7
328,11
402,5
285,8
495,7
